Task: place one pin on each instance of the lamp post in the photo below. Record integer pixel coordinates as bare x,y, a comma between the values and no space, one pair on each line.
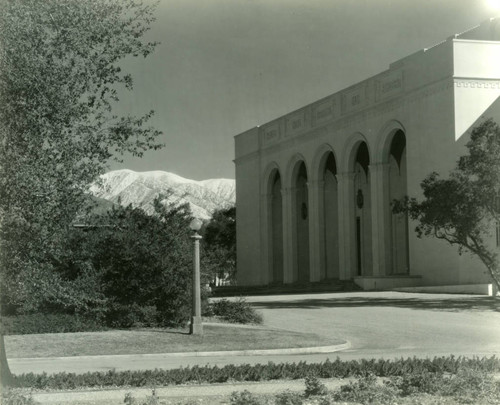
196,327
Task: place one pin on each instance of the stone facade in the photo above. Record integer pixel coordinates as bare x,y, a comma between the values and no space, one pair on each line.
314,187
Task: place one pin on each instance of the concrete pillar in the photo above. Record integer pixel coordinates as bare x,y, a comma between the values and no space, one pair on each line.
315,251
288,236
379,180
265,241
347,242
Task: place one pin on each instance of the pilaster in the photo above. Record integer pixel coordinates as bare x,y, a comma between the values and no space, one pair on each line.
288,237
315,251
347,242
379,180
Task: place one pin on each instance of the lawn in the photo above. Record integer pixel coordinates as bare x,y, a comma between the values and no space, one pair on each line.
148,341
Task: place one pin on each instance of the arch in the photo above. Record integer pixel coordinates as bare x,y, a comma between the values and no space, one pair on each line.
396,189
275,228
361,207
350,149
384,139
300,215
291,169
266,177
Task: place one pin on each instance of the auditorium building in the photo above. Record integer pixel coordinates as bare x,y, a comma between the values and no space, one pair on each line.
314,187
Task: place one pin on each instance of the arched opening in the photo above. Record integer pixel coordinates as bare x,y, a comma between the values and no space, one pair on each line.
398,190
330,239
362,212
302,224
276,234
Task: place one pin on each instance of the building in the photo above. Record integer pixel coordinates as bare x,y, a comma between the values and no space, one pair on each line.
314,187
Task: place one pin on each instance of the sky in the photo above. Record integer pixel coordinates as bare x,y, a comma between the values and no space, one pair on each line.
225,66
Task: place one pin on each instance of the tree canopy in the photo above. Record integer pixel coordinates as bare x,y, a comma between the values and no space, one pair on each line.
60,78
464,208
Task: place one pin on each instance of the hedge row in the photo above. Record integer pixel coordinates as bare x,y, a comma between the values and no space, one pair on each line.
259,372
47,323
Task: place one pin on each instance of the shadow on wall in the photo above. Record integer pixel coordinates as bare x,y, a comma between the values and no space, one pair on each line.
451,304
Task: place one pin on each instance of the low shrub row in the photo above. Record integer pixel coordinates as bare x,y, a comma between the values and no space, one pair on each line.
239,311
260,372
120,316
47,323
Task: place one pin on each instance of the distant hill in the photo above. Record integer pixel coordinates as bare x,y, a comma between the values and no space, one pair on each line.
141,188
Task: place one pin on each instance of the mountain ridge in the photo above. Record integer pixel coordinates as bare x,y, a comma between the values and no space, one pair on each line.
126,187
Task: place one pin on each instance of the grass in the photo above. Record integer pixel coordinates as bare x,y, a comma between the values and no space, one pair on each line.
155,340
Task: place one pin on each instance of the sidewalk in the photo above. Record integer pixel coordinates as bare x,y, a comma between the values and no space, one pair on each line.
84,364
178,392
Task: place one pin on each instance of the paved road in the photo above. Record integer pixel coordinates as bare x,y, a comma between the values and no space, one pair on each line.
379,324
392,324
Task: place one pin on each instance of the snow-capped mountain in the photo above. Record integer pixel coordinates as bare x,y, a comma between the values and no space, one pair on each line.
141,188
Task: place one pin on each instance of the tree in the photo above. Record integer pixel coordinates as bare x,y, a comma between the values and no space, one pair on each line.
143,263
220,244
463,208
60,78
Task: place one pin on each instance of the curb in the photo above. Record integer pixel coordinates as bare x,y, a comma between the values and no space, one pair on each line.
259,352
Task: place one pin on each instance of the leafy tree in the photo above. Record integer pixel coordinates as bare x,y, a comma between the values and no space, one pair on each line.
143,263
463,208
60,78
220,244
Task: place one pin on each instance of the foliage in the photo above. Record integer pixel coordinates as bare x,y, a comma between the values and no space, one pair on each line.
47,323
462,208
150,400
60,78
288,398
244,398
239,311
366,391
12,397
314,387
144,263
219,237
261,372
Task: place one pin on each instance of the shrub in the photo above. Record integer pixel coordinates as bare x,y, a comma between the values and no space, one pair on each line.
244,398
367,391
47,323
288,398
239,311
11,397
314,387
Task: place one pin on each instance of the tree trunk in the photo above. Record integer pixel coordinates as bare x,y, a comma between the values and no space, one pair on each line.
6,378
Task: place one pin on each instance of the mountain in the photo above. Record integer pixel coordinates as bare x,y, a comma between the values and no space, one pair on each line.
141,188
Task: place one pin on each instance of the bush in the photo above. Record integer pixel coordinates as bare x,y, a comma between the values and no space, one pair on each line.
10,397
314,387
244,398
47,323
367,391
289,398
239,311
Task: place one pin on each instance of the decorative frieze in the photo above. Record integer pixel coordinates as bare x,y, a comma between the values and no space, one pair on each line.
477,84
294,123
354,99
389,85
323,111
271,133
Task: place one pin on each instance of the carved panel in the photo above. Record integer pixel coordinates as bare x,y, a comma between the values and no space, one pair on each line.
354,99
271,133
294,123
323,111
389,85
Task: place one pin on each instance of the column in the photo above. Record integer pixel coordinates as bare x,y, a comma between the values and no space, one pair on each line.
347,241
315,250
288,237
265,241
379,179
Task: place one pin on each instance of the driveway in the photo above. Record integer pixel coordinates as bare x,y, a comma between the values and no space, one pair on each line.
377,324
392,324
